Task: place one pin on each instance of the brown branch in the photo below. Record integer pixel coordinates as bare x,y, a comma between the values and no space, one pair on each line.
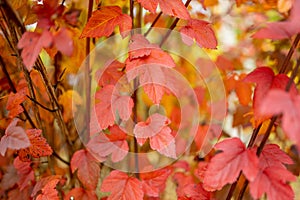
153,24
11,84
274,118
173,25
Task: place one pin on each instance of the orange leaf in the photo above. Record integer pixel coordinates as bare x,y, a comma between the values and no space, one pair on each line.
38,148
103,22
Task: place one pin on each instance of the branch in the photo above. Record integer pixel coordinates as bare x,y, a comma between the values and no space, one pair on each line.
11,84
173,25
153,24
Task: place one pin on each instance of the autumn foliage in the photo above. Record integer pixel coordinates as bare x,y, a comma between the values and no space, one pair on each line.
199,101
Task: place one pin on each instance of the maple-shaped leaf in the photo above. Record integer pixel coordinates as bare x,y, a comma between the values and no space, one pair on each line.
46,188
174,8
111,74
272,155
38,148
25,173
15,137
14,101
88,169
82,194
156,129
225,166
112,103
278,102
272,181
273,176
265,80
113,143
31,44
147,62
104,21
201,31
122,187
284,29
155,182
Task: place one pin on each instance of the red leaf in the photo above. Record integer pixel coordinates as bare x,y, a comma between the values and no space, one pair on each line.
157,130
279,101
282,30
201,31
174,8
47,187
111,74
272,155
122,187
82,194
111,103
273,175
32,44
154,182
104,20
114,143
14,138
139,54
194,192
38,148
25,173
87,167
272,181
225,167
140,47
63,42
265,80
147,61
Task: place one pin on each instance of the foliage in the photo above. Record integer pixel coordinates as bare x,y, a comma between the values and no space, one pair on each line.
251,45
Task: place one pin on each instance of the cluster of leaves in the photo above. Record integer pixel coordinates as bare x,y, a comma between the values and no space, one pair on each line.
42,156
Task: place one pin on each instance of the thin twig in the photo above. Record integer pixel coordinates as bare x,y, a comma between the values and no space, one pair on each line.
11,84
153,24
274,118
41,105
173,25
